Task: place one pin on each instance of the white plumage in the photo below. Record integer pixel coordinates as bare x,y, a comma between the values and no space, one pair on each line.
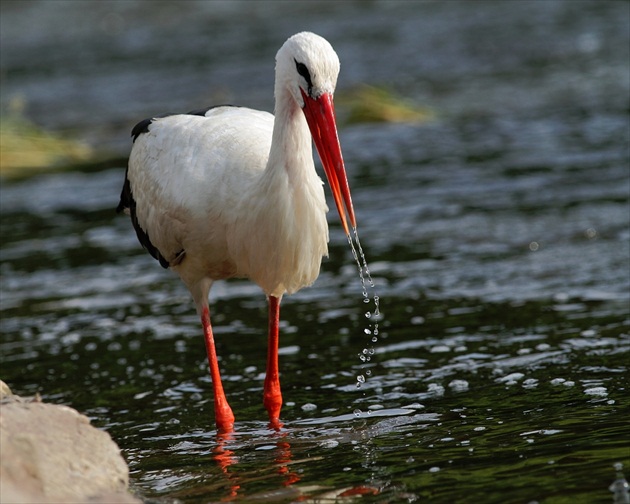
206,191
233,192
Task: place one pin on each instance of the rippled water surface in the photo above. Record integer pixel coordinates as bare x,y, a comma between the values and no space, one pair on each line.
497,234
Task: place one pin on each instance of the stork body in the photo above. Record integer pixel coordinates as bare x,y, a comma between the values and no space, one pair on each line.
232,192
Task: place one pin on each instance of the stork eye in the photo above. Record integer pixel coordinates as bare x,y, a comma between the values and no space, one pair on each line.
303,71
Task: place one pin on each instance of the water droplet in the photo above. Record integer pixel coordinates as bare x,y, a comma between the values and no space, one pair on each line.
366,283
329,443
591,233
368,372
357,412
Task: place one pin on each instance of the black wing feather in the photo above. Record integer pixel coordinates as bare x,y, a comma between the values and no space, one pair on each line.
126,196
128,203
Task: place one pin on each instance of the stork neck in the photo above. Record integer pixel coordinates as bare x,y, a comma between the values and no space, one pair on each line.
291,148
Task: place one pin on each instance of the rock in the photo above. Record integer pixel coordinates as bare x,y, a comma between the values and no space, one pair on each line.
51,453
4,390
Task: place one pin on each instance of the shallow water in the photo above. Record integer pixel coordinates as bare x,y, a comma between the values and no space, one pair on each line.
497,235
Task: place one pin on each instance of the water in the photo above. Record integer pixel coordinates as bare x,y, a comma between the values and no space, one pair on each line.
498,239
367,283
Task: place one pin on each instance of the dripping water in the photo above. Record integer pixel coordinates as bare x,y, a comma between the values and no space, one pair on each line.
369,295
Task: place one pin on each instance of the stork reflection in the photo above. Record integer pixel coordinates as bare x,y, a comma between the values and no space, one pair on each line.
226,456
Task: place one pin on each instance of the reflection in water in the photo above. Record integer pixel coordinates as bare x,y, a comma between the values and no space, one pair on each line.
226,459
366,469
283,459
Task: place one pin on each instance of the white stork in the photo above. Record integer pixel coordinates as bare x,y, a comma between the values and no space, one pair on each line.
232,192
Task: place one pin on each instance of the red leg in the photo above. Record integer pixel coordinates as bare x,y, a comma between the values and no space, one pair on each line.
222,411
272,398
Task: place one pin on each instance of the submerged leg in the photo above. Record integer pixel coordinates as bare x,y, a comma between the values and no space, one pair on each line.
222,411
272,398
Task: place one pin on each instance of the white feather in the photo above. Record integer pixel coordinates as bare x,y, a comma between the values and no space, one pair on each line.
237,190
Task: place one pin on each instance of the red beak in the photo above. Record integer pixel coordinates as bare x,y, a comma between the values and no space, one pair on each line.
320,117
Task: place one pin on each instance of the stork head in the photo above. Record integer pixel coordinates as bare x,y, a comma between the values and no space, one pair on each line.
307,67
308,62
